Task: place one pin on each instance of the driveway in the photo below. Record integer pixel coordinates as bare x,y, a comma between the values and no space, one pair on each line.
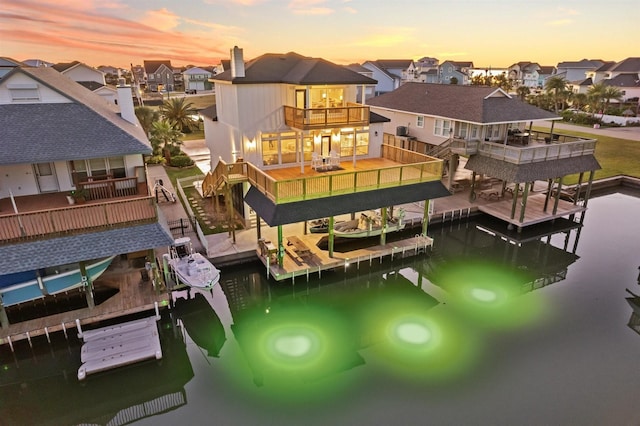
630,133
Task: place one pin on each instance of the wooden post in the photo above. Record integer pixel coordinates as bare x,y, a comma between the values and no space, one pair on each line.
546,201
576,195
516,190
425,217
258,226
229,204
331,236
4,320
88,285
557,197
472,194
525,194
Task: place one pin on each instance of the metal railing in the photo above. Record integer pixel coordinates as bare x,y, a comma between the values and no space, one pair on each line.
77,219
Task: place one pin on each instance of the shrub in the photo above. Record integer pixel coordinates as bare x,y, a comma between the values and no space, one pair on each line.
181,161
156,159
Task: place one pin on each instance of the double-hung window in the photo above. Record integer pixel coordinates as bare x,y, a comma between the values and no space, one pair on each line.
420,121
441,127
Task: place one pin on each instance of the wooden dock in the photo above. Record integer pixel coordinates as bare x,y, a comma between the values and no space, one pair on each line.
134,296
316,260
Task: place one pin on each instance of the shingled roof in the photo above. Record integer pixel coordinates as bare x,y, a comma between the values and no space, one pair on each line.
92,245
474,104
292,68
86,127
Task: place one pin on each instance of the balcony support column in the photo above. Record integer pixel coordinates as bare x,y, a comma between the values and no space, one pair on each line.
587,194
472,194
546,201
525,195
516,191
453,166
556,198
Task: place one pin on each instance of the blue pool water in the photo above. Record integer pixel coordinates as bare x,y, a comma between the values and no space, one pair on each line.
489,328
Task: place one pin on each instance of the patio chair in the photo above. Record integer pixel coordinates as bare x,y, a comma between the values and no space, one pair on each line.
334,159
316,161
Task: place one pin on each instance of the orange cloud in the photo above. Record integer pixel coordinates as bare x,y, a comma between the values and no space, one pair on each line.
78,32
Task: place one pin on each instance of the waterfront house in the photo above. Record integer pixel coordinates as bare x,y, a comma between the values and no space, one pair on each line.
494,131
62,141
289,143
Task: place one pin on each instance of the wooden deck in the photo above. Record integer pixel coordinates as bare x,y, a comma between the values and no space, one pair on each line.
134,296
294,171
534,212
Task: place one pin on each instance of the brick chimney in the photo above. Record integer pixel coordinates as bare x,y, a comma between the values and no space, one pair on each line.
237,62
125,102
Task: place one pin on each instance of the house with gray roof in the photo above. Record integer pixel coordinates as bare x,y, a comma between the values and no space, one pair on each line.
577,70
197,78
60,140
489,127
458,70
159,75
388,73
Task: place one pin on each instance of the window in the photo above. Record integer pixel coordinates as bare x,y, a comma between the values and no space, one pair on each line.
442,127
24,92
462,130
420,121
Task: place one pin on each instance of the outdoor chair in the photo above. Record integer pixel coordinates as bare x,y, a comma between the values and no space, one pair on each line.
334,159
316,161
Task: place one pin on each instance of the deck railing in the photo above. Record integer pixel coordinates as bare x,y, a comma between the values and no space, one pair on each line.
320,118
77,219
415,168
110,188
548,147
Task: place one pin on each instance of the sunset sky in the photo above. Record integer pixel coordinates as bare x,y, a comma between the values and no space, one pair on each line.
493,33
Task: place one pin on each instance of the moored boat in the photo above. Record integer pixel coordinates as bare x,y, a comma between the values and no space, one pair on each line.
32,285
369,225
188,267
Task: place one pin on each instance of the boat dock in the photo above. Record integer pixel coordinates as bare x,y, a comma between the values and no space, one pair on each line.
118,345
134,295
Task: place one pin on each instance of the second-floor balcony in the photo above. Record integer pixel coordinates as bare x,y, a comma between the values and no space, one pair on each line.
322,118
527,147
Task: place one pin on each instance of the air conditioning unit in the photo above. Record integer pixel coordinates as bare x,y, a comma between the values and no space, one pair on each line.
402,131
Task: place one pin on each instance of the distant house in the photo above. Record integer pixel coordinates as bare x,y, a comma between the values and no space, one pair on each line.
449,70
196,78
367,90
59,137
419,70
576,71
525,74
387,73
88,77
602,72
159,76
544,73
37,63
7,64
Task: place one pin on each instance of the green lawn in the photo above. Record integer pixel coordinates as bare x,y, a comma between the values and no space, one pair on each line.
176,173
616,156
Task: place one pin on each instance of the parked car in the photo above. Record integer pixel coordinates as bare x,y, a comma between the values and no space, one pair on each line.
191,91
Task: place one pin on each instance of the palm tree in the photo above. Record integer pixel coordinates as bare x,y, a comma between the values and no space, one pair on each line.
609,93
523,92
164,138
178,112
146,116
579,100
557,86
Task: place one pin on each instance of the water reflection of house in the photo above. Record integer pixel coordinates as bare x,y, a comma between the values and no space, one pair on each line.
61,141
531,250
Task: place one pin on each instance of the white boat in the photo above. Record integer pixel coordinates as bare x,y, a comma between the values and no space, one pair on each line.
188,267
369,225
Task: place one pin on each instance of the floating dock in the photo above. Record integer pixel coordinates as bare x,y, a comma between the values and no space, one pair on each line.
118,345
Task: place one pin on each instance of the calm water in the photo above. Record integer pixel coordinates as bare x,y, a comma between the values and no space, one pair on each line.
483,330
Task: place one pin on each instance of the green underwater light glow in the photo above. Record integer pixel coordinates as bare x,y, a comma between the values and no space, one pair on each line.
294,350
489,294
417,341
